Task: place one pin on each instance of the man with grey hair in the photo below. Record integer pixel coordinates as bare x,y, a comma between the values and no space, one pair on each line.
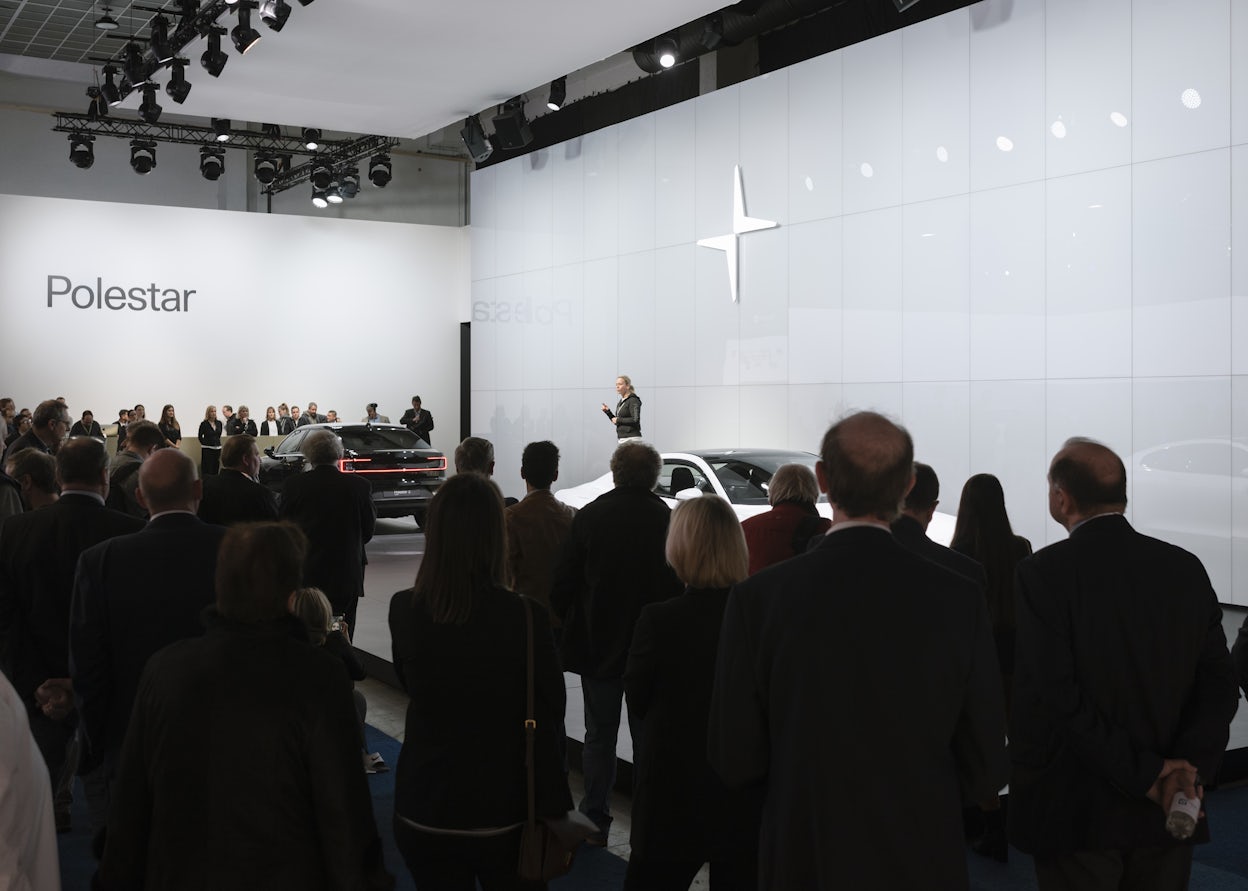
819,689
335,511
120,617
792,522
35,473
49,426
475,455
613,565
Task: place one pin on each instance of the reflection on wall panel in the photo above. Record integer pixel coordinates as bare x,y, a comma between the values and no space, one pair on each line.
1006,226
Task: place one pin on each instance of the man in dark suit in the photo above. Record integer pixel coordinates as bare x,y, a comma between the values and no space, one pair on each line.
38,553
910,527
418,420
120,617
234,495
1123,689
859,682
612,566
49,426
335,511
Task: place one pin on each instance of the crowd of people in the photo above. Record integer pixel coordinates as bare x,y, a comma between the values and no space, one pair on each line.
814,702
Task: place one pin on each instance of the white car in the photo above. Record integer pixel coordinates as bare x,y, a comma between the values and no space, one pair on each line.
740,476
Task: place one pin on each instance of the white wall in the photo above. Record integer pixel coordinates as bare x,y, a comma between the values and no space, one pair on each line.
1004,226
284,308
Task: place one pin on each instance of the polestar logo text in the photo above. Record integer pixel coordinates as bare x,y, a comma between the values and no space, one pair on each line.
741,224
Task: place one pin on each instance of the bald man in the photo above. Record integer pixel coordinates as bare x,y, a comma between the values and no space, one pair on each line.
134,595
1123,689
858,683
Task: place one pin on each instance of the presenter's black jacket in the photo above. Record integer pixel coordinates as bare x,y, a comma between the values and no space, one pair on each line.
911,534
859,681
231,496
681,809
420,427
335,511
38,553
1121,661
462,762
241,770
612,566
628,416
120,617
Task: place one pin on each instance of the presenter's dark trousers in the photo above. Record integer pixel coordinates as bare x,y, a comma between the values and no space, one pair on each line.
1164,868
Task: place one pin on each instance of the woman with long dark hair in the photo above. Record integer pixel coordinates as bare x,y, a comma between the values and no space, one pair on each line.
983,533
170,429
460,652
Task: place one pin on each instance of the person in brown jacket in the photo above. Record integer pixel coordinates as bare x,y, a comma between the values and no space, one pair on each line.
537,526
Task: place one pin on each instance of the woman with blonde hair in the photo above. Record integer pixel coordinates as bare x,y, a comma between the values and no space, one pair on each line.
460,651
627,414
683,816
209,442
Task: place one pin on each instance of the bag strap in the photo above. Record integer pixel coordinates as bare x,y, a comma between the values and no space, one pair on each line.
530,723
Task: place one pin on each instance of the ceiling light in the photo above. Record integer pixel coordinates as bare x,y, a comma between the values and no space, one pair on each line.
221,127
311,138
318,198
158,45
149,111
334,193
106,22
211,162
558,94
214,58
322,174
274,13
379,170
142,156
666,51
244,36
475,140
511,127
265,168
350,185
178,87
109,90
81,150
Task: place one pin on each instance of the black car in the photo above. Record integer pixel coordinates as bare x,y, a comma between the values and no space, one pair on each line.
400,466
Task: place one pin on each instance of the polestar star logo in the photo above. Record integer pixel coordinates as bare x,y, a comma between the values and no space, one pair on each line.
741,224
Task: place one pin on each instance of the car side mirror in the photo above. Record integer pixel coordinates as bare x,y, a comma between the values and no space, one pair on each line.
689,494
269,451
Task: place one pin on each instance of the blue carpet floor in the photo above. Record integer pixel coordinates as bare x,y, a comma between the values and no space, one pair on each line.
1221,865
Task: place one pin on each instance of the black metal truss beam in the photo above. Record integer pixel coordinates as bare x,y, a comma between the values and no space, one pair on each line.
336,154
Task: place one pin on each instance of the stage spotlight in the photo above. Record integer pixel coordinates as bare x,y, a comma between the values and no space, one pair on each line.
274,13
221,127
214,58
142,156
318,198
475,140
244,36
265,168
106,22
133,67
349,182
211,162
666,51
558,94
178,87
322,174
311,138
109,91
379,170
511,127
81,150
149,111
333,194
159,49
98,107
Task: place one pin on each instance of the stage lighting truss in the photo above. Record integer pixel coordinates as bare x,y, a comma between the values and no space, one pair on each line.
336,162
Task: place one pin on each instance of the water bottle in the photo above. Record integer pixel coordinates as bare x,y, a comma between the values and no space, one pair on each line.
1181,821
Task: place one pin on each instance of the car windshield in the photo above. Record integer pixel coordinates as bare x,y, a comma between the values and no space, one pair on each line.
380,439
745,478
